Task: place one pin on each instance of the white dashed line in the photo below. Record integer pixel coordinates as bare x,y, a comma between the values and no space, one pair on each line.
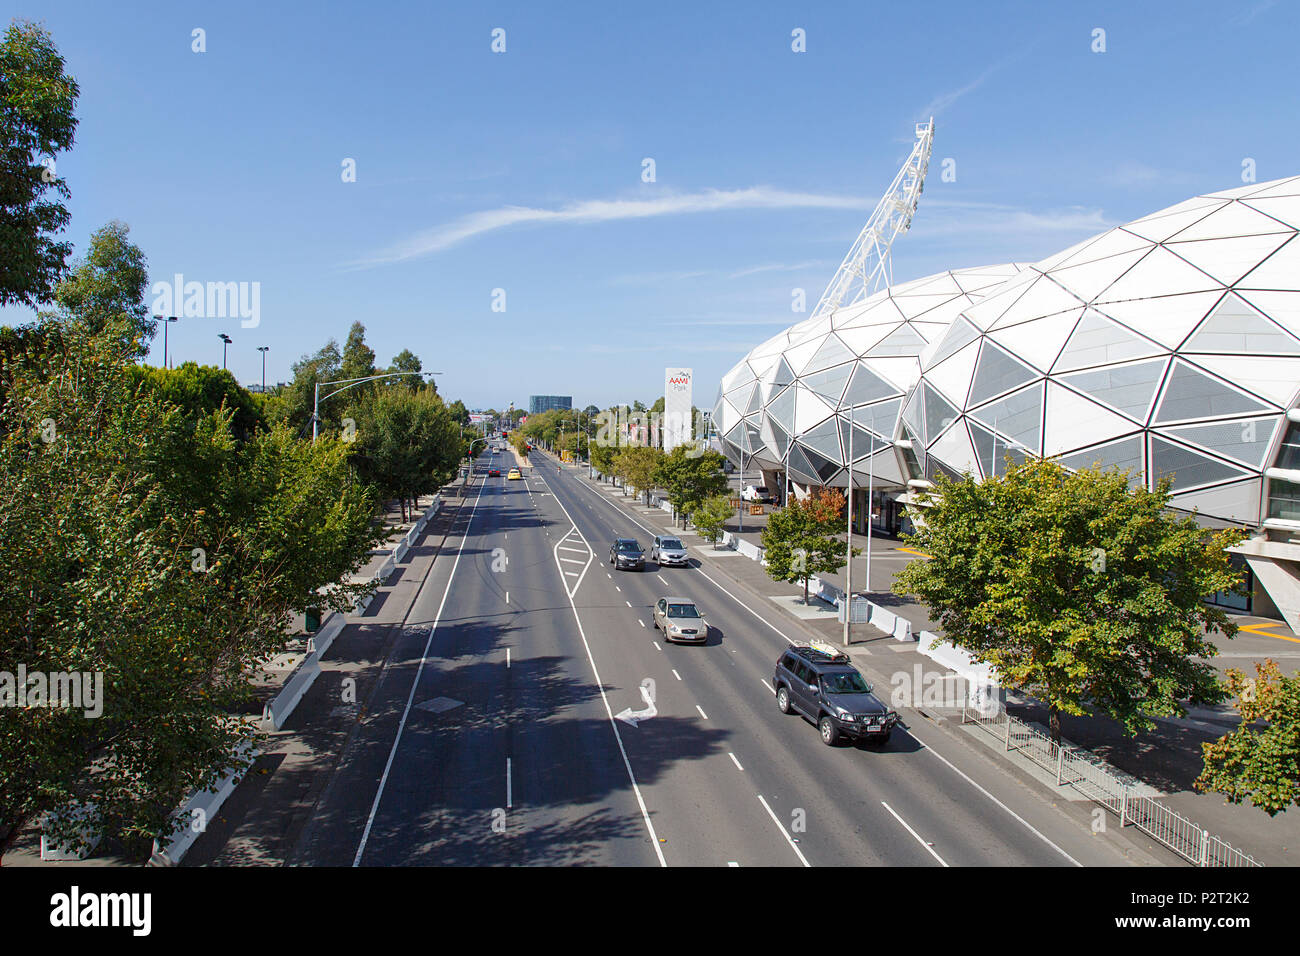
735,761
701,710
677,675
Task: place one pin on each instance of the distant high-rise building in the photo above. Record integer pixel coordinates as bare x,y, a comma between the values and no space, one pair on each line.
545,403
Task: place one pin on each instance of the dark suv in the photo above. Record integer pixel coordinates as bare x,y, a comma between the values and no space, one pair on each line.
626,553
825,687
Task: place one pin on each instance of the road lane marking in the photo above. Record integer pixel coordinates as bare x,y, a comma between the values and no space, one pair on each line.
735,761
641,622
732,863
701,710
510,799
677,675
781,826
507,657
915,835
657,647
410,698
1013,813
628,603
770,688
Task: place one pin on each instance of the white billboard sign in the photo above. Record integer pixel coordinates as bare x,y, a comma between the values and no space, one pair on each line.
677,408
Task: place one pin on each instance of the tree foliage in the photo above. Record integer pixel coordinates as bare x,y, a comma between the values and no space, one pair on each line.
407,444
690,478
145,542
37,99
803,538
1260,760
1076,588
710,517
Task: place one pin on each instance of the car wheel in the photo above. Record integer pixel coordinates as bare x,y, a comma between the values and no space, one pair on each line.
829,734
783,700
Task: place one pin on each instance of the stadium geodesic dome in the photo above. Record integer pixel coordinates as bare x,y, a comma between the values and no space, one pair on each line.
789,400
1167,346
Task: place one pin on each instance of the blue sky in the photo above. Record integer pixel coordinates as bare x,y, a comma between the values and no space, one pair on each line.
522,170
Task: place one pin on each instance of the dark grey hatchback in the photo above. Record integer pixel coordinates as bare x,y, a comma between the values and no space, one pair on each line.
823,686
627,553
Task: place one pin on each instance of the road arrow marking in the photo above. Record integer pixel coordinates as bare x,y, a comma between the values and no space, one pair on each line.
633,717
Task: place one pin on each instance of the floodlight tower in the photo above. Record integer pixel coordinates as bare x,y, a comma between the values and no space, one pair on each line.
866,268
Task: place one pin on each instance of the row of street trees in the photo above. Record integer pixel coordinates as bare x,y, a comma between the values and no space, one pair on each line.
161,527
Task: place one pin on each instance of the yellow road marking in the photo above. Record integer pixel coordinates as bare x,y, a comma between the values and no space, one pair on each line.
1258,629
911,551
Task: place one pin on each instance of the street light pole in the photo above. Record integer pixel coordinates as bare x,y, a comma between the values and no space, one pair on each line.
264,349
225,341
348,383
848,564
166,323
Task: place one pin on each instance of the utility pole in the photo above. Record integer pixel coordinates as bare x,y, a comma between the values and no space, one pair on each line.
848,564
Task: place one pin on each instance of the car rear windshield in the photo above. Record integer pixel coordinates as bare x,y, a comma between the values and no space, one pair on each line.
627,546
670,543
682,610
845,682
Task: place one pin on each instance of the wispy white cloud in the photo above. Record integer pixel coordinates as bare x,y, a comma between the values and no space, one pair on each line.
649,278
441,238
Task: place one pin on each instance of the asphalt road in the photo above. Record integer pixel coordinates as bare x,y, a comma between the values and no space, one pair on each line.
492,737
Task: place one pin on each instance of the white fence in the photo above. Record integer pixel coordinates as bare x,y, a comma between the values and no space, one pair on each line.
1092,778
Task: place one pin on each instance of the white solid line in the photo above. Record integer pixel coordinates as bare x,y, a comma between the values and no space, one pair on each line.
735,761
780,826
927,846
701,710
510,800
410,699
1013,813
677,675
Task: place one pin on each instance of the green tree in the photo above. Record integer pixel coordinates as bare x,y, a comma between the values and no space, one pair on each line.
1260,760
199,390
407,443
293,404
803,538
147,543
37,100
711,516
358,357
637,466
690,478
104,292
1076,588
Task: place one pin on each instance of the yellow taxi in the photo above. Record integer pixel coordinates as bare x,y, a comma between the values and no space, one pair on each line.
513,475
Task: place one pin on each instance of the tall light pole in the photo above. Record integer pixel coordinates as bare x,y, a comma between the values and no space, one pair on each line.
166,322
348,383
264,349
848,563
225,341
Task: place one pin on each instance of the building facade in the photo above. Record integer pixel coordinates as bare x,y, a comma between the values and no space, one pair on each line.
545,403
1168,347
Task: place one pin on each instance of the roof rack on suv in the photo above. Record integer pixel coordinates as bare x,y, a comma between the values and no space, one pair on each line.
820,653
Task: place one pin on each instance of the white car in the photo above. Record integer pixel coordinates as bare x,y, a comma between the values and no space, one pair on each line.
668,550
757,493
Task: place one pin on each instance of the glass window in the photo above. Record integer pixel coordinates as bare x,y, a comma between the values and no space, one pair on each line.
1288,455
847,682
1283,500
670,543
683,610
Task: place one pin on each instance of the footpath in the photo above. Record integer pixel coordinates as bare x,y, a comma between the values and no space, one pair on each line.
1161,763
